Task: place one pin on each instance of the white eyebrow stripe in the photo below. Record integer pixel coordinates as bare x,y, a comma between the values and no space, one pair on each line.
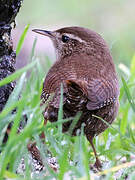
72,36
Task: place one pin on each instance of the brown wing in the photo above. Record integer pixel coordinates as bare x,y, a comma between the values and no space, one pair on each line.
73,96
99,92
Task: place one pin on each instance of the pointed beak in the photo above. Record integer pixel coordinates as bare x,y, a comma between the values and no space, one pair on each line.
44,32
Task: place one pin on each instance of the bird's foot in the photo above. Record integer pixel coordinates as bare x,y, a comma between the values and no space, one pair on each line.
98,164
32,148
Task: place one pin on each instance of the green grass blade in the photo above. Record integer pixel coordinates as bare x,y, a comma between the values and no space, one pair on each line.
110,126
132,135
63,163
60,113
7,110
84,154
17,74
13,133
123,124
10,175
132,68
21,40
16,92
129,97
33,49
74,122
130,85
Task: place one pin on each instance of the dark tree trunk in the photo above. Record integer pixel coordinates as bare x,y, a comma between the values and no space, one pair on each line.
8,12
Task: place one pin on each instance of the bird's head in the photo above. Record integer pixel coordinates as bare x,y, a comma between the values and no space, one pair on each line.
71,40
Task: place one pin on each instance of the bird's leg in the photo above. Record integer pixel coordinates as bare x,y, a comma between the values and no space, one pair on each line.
42,135
97,164
35,153
32,148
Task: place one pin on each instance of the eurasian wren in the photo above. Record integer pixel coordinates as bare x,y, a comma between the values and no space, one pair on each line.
85,68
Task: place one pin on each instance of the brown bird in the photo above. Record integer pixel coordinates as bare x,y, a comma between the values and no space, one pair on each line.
85,67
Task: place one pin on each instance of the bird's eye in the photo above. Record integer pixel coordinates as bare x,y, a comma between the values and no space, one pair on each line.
65,38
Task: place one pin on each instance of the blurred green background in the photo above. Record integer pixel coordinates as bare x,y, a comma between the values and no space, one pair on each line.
113,19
